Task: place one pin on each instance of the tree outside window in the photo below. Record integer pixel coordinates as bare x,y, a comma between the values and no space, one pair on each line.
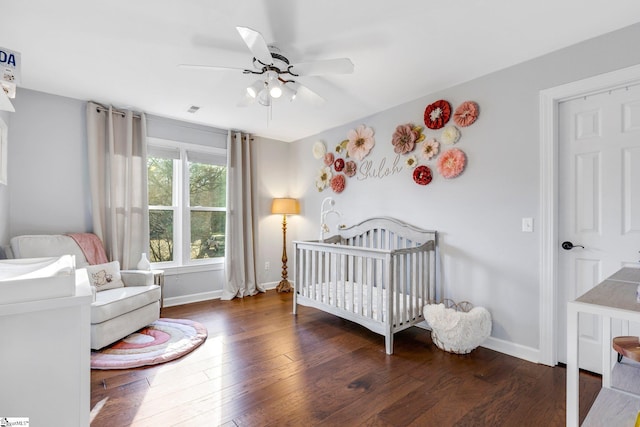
187,197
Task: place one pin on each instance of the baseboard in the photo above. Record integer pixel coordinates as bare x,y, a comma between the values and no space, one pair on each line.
516,350
269,285
187,299
206,296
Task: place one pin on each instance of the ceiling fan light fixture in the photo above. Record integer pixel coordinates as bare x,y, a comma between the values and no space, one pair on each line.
264,98
275,91
289,92
255,88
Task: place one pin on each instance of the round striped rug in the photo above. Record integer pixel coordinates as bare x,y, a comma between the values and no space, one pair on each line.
160,342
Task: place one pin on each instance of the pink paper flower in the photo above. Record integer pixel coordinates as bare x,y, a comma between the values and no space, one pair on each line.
360,142
338,165
466,113
337,183
430,148
328,159
350,168
404,139
451,163
422,175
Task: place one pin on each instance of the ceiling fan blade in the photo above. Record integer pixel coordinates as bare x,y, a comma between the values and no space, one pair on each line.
327,66
245,101
256,44
307,95
208,67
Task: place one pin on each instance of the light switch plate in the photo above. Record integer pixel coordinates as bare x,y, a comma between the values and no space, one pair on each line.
527,225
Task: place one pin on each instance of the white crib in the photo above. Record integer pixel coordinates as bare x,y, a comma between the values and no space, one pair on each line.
379,274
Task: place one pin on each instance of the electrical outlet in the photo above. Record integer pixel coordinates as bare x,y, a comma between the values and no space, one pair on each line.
267,265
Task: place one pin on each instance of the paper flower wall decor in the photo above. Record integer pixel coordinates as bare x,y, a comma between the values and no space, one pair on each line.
430,148
342,147
328,159
466,113
360,142
406,137
422,175
338,183
450,135
319,149
323,178
451,163
411,161
338,165
350,168
436,115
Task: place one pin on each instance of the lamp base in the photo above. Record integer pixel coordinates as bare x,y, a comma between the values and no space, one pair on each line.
284,286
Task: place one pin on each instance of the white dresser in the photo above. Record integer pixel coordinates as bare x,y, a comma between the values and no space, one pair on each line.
45,358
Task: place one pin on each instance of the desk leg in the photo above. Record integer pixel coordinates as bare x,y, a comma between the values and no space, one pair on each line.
573,384
606,351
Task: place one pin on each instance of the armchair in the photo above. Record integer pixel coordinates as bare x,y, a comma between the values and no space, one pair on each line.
124,300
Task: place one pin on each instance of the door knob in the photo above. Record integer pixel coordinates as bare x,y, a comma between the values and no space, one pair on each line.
568,246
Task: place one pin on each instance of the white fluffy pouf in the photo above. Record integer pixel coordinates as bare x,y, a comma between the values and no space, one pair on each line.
457,331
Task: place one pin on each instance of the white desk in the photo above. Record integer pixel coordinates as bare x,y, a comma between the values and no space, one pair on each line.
615,298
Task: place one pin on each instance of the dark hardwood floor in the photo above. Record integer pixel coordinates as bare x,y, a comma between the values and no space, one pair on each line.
261,366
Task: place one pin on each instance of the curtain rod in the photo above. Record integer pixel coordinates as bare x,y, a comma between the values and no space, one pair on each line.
100,108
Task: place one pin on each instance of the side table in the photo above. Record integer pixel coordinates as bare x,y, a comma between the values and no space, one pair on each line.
158,279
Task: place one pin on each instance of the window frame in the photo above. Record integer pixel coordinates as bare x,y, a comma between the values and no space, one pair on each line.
181,206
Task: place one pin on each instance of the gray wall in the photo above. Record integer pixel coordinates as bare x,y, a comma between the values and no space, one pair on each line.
486,258
48,174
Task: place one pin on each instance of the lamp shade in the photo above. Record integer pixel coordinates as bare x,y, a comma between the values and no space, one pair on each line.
285,206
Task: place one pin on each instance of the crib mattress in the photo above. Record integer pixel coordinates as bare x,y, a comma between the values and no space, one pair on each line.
353,297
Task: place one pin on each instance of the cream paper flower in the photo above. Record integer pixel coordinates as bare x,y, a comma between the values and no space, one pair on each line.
323,178
319,150
450,135
411,161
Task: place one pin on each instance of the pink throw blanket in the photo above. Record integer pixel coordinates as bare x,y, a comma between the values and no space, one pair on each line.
91,247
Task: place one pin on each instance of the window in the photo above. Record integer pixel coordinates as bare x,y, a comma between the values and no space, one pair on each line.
187,203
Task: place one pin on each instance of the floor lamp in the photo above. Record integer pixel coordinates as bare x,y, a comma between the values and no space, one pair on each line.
284,206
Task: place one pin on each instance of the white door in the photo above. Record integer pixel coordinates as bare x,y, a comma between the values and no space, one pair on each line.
599,203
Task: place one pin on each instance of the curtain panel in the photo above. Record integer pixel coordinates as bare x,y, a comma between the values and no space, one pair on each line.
240,259
117,152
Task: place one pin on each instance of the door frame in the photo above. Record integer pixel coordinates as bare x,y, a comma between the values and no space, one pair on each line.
549,100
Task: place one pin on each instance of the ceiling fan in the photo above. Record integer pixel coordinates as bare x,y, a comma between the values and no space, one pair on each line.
278,75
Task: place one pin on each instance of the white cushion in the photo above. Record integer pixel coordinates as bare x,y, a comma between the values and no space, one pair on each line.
47,245
115,302
105,276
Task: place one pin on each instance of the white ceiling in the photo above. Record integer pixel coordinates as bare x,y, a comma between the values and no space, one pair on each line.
126,52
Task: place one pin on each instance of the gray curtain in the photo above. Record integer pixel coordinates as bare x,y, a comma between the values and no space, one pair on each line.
240,264
117,151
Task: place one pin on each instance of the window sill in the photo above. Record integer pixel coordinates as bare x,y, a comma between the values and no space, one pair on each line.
184,269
